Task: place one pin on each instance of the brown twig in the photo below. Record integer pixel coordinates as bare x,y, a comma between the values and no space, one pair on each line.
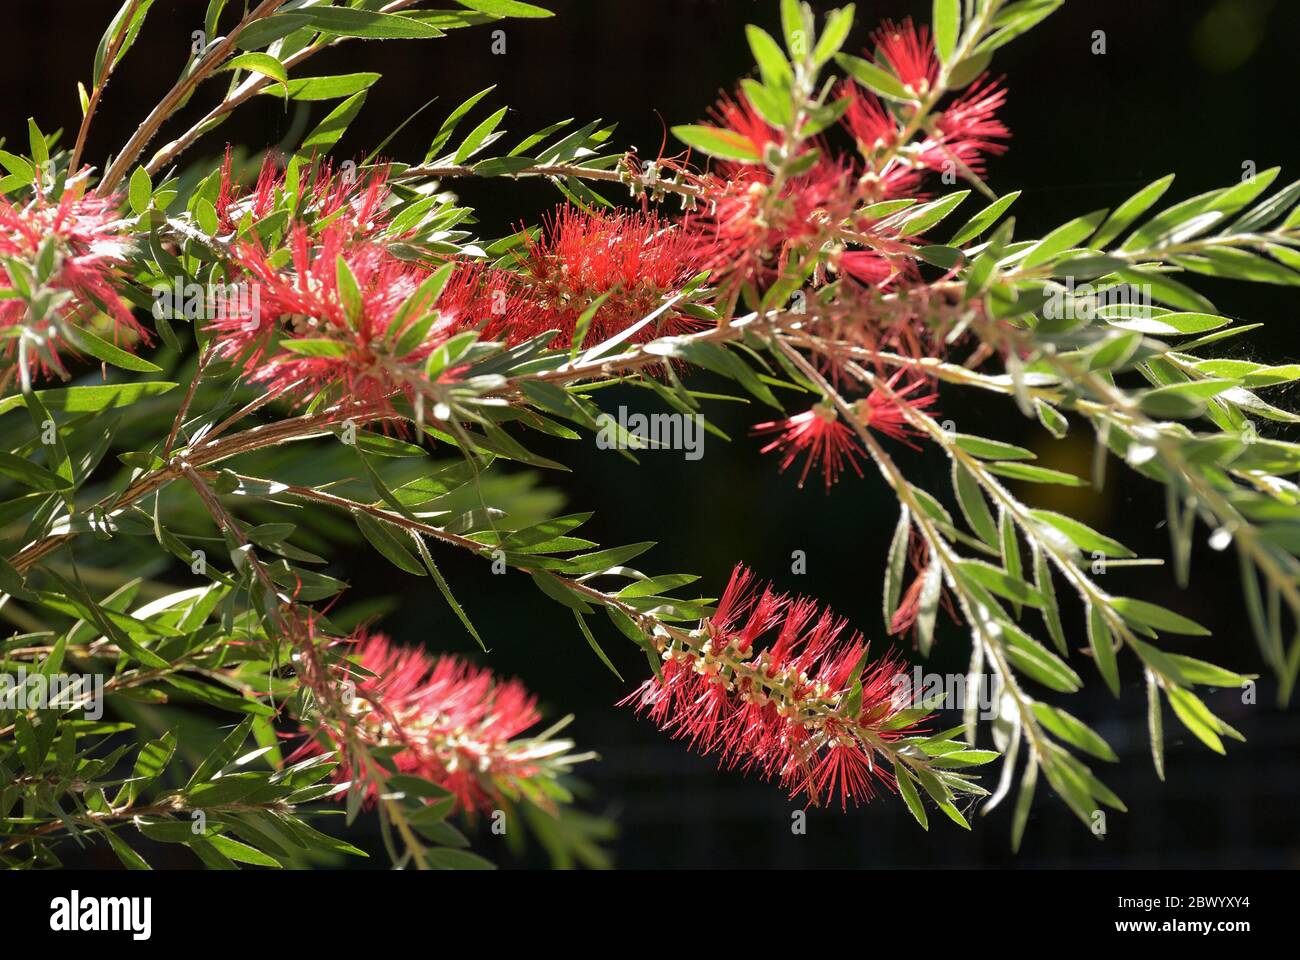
99,83
245,92
176,96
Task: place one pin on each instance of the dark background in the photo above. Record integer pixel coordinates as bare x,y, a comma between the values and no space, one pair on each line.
1199,87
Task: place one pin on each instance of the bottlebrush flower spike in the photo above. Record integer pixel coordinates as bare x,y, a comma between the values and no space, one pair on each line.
876,130
491,301
634,260
969,129
867,267
329,324
456,724
89,245
323,194
744,232
806,711
820,436
908,51
872,125
884,411
747,223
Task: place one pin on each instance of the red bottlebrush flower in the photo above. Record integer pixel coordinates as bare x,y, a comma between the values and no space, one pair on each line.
819,434
89,245
867,267
491,301
748,224
323,194
455,723
744,233
969,129
635,260
870,122
319,335
875,129
908,51
791,712
885,413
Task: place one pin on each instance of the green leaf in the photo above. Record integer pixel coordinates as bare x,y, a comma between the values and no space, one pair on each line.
349,291
445,589
1130,210
329,130
263,63
1051,611
1199,671
324,88
478,135
1073,731
591,642
1051,419
836,31
973,505
130,859
1033,474
1157,617
506,8
149,766
223,754
263,33
554,588
1015,19
1103,647
896,565
991,449
716,142
1170,324
1189,709
1081,535
17,166
1000,582
39,145
241,851
443,857
363,23
103,350
947,26
1024,801
875,79
1063,238
453,120
1155,725
772,63
920,219
316,346
140,190
1114,352
983,220
910,796
383,539
119,27
29,474
1033,659
1165,289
